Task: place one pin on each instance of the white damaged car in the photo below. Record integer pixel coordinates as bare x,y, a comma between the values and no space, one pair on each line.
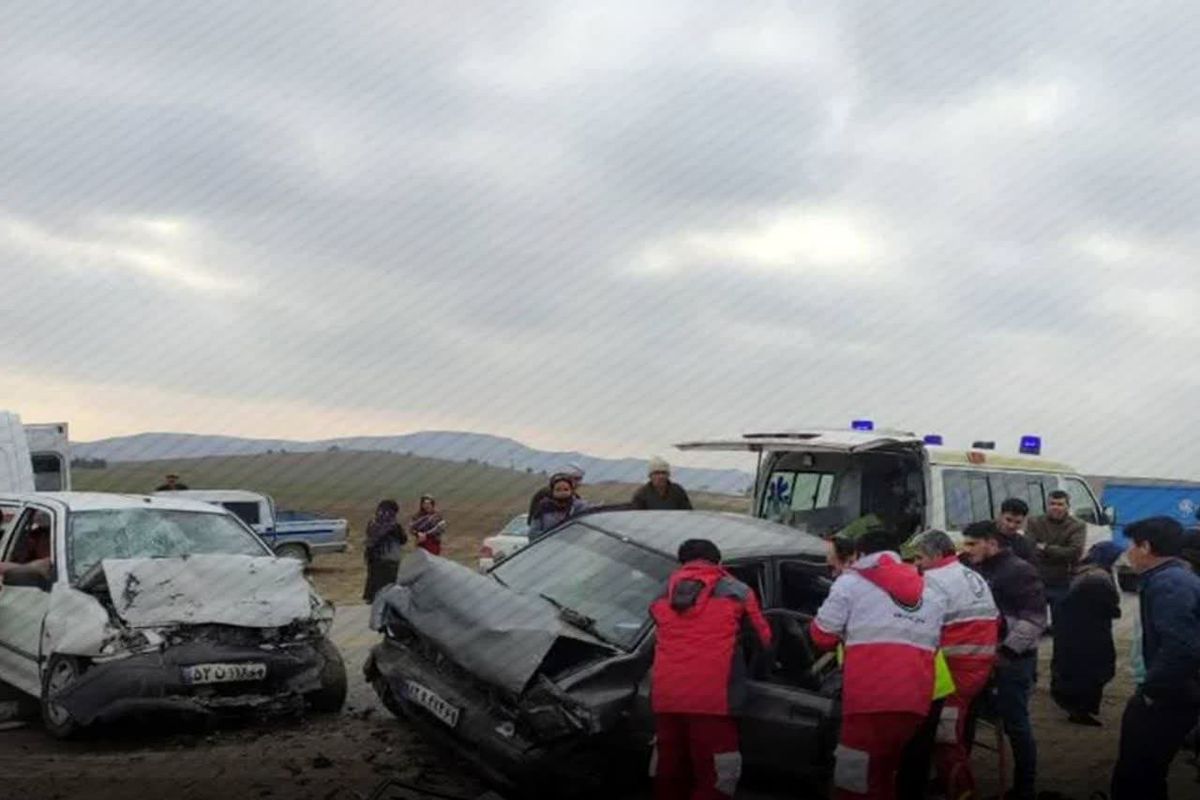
114,604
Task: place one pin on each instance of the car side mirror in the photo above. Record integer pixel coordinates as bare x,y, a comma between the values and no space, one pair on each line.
1110,516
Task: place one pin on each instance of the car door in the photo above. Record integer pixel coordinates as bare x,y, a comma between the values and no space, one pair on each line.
786,728
24,601
785,722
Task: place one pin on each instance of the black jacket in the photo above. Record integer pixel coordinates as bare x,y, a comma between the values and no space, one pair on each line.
1170,609
647,498
1021,545
1084,654
1021,598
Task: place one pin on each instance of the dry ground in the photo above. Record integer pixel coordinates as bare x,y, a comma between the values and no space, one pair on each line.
346,757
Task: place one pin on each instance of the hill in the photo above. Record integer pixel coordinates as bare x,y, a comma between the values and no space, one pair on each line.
476,499
444,445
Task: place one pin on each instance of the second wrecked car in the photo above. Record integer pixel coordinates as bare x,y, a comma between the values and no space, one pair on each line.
153,604
539,671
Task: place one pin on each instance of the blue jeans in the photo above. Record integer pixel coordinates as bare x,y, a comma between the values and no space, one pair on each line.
1014,682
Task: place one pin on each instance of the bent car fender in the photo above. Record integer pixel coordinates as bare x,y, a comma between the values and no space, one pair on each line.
76,624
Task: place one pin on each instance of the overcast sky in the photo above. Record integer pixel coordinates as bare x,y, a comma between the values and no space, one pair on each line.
606,226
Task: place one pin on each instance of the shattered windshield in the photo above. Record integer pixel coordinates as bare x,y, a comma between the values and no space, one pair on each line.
153,533
610,582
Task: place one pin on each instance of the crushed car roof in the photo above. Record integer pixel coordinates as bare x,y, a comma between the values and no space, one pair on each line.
103,501
738,536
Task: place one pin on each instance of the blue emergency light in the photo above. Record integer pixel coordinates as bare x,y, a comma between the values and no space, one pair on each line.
934,439
1031,445
862,425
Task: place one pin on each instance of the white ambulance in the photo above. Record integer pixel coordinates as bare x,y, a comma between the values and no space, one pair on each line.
821,480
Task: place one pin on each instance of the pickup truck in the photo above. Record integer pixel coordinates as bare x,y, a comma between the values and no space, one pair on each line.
291,534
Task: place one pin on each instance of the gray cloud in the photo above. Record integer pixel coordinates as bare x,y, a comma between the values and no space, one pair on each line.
621,225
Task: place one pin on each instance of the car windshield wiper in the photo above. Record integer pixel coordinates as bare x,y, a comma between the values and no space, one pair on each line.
575,618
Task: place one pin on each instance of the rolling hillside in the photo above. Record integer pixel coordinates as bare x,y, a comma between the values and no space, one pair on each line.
476,499
444,445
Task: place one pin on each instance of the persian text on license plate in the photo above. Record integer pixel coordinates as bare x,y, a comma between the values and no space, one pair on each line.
427,699
224,673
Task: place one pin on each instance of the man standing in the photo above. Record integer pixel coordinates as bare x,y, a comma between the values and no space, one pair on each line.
1021,600
970,634
1058,539
660,493
890,623
1011,523
1166,705
172,484
697,680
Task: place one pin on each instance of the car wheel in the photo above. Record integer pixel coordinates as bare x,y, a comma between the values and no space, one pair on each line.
60,673
330,698
388,698
293,550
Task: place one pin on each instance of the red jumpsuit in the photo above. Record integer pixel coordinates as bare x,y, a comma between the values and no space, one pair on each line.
969,637
696,681
890,622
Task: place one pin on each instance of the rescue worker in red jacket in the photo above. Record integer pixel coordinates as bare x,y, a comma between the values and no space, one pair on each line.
697,681
970,636
890,622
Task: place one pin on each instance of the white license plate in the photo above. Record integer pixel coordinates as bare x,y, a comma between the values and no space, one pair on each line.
427,699
224,673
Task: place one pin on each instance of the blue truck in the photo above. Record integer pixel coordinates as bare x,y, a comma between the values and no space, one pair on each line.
1139,498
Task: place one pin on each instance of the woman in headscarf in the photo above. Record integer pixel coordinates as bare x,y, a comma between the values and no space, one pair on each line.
428,525
384,548
561,505
1085,657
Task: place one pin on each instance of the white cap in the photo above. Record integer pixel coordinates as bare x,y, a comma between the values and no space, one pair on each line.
658,464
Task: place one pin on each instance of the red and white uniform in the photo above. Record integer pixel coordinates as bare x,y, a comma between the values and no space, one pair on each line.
698,680
970,635
890,622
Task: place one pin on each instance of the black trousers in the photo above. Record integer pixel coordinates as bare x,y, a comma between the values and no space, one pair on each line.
379,575
1151,735
912,781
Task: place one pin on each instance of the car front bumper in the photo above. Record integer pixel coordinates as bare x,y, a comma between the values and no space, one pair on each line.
154,682
491,742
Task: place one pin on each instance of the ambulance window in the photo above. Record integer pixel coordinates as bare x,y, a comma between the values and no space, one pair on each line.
1023,486
1082,504
968,498
811,490
788,490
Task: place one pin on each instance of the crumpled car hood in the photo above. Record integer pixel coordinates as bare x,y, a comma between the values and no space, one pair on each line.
246,591
496,634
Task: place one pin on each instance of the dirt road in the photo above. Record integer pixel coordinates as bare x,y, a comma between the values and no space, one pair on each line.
348,756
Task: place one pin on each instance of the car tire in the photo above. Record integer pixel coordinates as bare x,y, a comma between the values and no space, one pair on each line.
388,698
296,551
330,698
60,672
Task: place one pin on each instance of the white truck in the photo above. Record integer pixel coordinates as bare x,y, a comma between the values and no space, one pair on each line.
33,457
